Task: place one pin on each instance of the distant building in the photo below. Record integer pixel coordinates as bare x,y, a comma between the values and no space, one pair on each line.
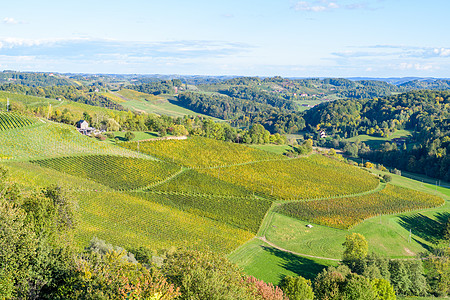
82,124
83,127
399,141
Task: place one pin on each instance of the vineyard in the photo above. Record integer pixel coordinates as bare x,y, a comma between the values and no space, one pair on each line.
199,152
53,139
304,178
344,213
132,222
121,173
193,182
12,120
242,212
129,221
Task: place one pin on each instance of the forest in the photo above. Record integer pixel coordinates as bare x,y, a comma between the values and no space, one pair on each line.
425,113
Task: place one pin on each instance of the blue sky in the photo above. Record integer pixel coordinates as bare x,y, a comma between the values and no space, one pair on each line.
317,38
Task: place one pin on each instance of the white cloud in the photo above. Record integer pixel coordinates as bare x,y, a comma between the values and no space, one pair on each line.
11,21
442,51
328,5
315,6
416,66
395,51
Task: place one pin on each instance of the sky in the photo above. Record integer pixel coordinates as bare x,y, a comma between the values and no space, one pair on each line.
289,38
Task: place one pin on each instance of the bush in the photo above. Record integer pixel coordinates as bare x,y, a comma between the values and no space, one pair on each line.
387,178
129,136
101,137
297,288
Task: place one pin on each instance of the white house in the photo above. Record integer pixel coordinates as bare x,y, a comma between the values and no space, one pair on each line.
83,127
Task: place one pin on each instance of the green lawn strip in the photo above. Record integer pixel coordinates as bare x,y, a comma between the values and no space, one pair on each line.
138,136
264,262
161,105
376,141
277,149
421,183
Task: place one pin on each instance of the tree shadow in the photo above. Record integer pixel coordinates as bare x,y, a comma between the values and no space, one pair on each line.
299,265
430,230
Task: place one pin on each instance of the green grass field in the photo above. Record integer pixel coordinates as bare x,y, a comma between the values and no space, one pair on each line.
374,141
138,136
161,105
271,265
277,149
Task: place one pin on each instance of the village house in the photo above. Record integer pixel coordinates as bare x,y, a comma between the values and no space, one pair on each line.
83,127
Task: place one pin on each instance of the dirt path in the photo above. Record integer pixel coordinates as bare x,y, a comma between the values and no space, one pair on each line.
262,238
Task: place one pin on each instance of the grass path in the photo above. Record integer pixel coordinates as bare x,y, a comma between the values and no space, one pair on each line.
292,252
163,181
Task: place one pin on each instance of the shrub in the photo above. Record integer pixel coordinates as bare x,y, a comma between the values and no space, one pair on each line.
387,178
297,288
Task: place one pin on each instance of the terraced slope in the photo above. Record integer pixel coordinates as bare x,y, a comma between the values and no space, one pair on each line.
121,173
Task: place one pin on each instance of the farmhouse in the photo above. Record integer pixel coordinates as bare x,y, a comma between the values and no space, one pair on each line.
83,127
399,141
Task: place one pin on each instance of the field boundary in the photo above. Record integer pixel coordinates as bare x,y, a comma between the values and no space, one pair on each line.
183,169
295,253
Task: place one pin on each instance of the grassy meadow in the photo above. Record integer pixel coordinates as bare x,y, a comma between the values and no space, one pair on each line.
160,105
374,141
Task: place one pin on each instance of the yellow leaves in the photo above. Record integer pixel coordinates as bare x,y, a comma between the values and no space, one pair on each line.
198,152
347,212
